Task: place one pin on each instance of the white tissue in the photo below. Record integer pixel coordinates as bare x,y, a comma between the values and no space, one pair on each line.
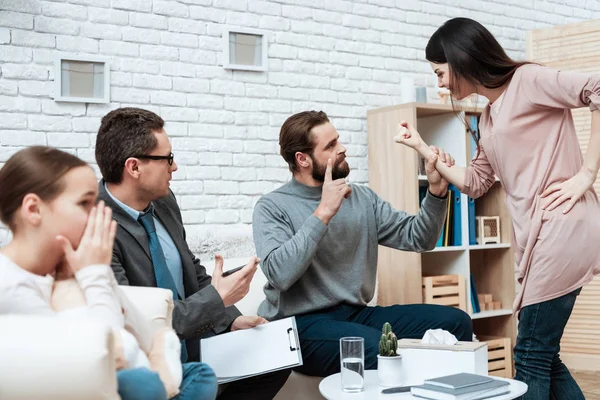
439,336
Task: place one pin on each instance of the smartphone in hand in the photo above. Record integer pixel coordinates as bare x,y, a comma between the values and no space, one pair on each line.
231,271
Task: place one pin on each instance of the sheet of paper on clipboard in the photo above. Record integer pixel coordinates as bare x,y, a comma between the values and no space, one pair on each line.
250,352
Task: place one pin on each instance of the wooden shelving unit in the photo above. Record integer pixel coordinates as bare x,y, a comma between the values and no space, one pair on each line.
393,174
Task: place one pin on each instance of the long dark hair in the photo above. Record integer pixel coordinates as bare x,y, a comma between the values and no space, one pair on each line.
473,54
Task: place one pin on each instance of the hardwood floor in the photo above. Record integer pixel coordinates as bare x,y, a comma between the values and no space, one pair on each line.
589,382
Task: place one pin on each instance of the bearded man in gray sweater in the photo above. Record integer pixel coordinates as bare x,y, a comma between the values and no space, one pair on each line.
317,237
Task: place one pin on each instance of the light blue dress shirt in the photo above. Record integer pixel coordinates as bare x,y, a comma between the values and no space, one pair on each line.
169,249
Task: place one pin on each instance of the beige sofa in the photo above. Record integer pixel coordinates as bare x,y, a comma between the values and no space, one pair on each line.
54,358
73,360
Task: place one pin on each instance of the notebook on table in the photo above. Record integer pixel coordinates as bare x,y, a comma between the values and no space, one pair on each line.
458,381
462,386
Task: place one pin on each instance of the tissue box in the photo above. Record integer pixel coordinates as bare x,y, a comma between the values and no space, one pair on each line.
424,361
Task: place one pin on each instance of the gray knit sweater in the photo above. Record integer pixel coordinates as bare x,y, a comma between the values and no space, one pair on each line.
312,266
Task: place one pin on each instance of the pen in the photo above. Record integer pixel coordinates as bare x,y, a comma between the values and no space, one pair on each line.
397,389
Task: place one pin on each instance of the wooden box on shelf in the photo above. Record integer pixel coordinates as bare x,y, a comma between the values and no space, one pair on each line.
445,290
488,230
487,303
499,356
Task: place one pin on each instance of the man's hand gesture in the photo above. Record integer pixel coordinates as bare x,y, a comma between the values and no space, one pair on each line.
234,287
334,192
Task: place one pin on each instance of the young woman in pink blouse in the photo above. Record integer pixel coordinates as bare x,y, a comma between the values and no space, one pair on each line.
527,139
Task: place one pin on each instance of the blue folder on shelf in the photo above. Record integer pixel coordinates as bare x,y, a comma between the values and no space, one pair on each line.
456,216
474,298
440,241
472,225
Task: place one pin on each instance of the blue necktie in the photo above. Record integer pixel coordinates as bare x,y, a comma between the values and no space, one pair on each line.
164,279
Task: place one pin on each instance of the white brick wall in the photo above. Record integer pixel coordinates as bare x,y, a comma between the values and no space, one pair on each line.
341,56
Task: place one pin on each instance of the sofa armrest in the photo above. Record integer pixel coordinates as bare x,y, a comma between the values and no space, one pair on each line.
154,304
56,358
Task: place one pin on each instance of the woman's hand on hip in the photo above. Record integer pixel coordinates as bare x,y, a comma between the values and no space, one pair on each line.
569,191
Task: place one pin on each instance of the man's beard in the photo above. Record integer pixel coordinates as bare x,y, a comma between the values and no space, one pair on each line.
340,170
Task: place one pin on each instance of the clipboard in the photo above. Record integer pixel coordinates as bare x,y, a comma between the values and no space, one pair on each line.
241,354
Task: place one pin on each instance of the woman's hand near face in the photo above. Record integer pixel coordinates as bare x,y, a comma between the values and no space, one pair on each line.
96,244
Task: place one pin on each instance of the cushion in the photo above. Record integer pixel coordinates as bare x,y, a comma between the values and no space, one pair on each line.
56,359
159,343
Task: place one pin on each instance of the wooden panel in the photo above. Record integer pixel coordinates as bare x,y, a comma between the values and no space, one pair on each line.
493,354
493,204
575,47
493,270
581,362
498,326
424,109
583,330
392,174
571,47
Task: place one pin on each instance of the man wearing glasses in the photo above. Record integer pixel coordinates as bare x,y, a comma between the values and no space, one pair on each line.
135,157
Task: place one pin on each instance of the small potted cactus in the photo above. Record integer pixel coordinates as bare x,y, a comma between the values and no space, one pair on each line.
389,363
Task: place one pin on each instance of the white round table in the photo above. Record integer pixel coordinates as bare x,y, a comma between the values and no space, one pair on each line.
331,389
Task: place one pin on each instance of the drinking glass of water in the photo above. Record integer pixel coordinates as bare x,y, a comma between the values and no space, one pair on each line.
352,357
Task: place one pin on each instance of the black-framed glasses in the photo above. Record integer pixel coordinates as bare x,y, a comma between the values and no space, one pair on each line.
169,158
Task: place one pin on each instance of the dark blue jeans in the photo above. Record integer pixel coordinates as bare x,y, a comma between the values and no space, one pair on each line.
537,360
320,332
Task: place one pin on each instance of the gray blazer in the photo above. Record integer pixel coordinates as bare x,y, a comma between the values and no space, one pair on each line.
202,312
